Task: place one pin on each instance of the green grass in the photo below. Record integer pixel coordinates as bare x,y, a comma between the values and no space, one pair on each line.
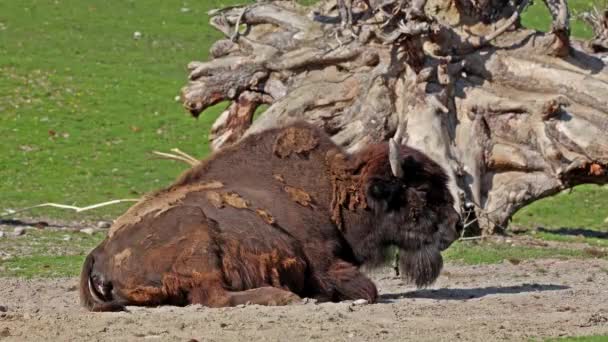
550,236
46,253
50,243
473,253
43,266
82,103
576,216
537,16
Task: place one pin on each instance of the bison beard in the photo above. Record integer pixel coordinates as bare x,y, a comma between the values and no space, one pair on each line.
282,215
419,257
421,267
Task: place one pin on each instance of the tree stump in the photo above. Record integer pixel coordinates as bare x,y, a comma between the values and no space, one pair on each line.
512,114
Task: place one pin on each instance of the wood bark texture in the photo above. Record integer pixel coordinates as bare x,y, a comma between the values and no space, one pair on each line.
513,115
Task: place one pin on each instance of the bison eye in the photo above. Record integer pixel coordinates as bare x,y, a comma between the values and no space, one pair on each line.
385,191
379,190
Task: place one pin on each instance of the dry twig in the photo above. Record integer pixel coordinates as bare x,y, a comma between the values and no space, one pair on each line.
179,156
70,207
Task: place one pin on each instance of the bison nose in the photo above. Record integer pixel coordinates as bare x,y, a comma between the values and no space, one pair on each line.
452,233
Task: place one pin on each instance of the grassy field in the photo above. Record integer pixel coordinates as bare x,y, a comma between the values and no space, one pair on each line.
82,103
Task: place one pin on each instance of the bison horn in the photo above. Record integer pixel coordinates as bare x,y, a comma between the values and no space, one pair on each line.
393,157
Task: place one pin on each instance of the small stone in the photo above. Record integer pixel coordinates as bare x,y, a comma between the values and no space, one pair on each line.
26,316
103,224
3,308
606,220
137,35
1,235
223,325
88,231
240,306
359,302
19,231
67,238
184,9
309,301
5,332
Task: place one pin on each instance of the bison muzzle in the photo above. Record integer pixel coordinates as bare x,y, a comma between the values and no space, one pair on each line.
282,215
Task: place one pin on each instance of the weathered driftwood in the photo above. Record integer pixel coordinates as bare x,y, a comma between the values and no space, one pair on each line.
598,20
514,115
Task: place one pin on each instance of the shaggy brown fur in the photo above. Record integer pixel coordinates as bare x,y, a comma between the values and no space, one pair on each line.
282,215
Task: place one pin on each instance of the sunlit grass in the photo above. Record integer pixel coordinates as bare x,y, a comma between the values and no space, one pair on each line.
473,253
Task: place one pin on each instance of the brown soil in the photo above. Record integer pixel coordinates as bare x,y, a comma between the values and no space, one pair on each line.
542,298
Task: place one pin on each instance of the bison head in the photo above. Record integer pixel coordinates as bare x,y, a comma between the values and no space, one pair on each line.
412,209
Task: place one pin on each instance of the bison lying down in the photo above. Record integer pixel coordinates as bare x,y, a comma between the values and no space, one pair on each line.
282,215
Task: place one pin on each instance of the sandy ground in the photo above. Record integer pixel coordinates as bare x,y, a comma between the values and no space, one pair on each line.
533,299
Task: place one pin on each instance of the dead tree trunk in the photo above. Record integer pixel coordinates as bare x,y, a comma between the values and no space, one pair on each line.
514,115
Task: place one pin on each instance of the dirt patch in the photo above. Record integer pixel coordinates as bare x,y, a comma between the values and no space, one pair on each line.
543,298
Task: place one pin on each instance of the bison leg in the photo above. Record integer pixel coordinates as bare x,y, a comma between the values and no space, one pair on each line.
217,298
349,283
263,296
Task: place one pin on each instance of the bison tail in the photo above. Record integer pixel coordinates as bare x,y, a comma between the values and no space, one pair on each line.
90,297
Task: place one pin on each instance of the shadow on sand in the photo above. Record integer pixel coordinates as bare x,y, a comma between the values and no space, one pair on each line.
464,294
588,233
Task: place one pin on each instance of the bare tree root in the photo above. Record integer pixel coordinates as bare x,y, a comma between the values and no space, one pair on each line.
513,115
598,20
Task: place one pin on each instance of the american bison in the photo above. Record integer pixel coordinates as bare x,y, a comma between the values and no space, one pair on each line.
282,215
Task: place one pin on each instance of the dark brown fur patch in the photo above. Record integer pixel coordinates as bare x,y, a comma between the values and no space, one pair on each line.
295,140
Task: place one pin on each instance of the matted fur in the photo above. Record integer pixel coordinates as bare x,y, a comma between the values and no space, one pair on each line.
283,214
